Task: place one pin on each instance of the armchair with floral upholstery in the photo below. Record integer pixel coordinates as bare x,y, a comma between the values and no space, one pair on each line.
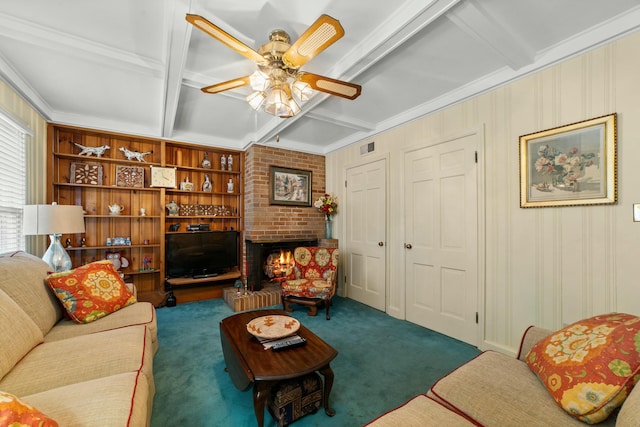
312,281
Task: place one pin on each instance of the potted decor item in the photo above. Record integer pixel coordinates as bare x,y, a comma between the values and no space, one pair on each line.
206,163
327,204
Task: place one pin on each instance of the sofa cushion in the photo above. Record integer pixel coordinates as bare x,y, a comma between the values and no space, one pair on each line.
15,412
420,411
140,313
498,390
117,400
87,357
590,366
91,291
629,415
18,333
22,277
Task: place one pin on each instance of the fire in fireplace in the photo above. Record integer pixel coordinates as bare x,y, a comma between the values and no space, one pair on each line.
259,250
278,265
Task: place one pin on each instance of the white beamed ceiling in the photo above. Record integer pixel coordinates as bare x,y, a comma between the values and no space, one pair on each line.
137,66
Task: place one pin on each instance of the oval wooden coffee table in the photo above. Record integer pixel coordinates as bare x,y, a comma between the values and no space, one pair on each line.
249,363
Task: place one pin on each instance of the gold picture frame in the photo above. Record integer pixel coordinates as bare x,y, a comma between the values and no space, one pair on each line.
571,165
290,187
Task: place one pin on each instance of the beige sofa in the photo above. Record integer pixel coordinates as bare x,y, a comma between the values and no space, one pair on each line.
494,389
95,374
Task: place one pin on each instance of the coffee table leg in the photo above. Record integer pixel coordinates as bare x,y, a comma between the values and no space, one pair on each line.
327,373
261,390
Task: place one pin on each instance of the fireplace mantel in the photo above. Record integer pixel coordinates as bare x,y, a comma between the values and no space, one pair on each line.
272,241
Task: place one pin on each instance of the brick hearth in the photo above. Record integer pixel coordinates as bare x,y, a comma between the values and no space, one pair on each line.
267,296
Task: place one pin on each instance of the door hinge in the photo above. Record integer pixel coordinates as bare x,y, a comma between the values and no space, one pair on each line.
477,319
345,183
476,157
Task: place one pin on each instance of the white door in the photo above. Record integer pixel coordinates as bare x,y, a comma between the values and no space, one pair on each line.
365,233
441,237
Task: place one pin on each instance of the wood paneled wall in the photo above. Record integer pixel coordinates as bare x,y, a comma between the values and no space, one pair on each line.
548,266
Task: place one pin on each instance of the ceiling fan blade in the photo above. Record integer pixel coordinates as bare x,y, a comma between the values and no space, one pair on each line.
228,85
319,36
226,38
331,86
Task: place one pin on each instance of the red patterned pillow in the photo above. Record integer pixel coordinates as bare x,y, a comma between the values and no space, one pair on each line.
14,412
91,291
590,366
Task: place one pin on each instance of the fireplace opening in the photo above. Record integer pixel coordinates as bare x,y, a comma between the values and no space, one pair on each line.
264,262
278,265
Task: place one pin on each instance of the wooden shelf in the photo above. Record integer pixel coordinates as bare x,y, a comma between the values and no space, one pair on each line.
115,248
107,187
135,272
62,169
103,159
182,281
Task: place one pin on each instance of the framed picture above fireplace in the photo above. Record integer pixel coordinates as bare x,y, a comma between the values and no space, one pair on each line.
289,186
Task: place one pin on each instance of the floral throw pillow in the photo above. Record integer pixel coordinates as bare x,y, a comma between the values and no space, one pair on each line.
91,291
14,412
590,367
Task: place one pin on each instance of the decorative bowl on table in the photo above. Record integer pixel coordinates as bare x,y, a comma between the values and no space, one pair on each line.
273,326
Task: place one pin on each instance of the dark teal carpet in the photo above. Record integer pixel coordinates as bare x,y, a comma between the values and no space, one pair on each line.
382,362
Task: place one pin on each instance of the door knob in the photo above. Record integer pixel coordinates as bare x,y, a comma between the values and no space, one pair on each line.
408,245
380,244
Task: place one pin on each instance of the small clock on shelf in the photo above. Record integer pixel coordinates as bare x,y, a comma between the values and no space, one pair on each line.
163,177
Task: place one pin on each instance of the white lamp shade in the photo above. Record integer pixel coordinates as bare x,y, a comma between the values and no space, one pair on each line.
302,90
277,103
259,81
52,219
256,99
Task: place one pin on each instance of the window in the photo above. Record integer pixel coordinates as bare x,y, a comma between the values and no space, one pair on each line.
13,179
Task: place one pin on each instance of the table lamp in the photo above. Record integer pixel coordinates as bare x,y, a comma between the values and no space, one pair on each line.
54,220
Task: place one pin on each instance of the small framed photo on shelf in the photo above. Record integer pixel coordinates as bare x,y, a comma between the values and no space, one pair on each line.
129,176
289,187
85,173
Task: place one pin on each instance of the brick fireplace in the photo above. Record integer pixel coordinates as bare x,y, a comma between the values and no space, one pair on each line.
268,226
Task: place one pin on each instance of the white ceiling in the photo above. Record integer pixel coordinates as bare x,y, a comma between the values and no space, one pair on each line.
137,66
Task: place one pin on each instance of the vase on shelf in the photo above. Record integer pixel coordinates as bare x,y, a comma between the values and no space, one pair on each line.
327,227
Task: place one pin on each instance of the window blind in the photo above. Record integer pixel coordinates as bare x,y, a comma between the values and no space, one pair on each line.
13,184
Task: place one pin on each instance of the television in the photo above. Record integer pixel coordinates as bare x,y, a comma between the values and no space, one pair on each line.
200,254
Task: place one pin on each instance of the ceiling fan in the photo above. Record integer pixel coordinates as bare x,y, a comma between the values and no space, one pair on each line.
278,78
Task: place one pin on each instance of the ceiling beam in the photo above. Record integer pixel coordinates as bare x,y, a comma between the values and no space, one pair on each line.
177,40
481,26
336,119
57,41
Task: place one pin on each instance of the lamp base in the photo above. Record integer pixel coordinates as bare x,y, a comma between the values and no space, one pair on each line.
57,258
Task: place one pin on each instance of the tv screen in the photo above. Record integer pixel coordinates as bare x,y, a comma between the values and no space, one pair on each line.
200,253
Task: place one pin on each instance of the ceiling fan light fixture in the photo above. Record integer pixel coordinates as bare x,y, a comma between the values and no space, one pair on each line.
278,85
295,108
277,103
256,99
259,81
302,90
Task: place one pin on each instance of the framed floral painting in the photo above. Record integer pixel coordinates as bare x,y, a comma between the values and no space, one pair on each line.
570,165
